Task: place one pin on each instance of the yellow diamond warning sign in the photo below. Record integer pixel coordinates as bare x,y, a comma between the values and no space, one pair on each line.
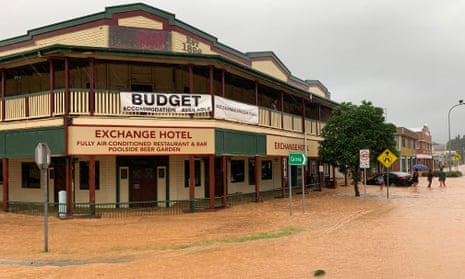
387,158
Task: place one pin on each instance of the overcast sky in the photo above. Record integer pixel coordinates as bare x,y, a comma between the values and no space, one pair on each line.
406,56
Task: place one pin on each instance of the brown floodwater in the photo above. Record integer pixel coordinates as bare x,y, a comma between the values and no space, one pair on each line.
410,235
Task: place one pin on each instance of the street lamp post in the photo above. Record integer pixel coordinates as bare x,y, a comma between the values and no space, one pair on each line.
448,124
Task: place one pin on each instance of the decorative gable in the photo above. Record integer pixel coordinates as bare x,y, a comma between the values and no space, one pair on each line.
267,62
140,22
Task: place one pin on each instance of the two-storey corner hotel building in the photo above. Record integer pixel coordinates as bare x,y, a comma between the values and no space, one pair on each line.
138,106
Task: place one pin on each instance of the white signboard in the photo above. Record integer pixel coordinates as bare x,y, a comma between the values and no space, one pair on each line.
42,156
364,158
165,103
235,111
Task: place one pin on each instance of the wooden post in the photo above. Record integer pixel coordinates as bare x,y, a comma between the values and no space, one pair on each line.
92,185
257,180
211,179
192,182
5,184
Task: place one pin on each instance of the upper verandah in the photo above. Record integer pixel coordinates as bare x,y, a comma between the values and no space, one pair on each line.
156,30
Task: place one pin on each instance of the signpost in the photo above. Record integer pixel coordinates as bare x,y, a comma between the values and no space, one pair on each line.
364,164
42,158
296,159
364,158
387,158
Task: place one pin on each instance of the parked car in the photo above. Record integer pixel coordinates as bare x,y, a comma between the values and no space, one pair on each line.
396,178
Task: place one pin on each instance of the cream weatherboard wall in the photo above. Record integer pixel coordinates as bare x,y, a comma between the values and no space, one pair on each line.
245,187
140,22
269,67
179,192
16,192
180,43
107,191
176,181
94,37
317,90
275,182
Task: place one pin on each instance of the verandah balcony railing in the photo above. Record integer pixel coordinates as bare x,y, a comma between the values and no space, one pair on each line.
107,103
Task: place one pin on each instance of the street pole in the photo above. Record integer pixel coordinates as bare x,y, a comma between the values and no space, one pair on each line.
303,172
448,125
45,185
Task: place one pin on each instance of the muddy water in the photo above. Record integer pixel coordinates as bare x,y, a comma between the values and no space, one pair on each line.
410,235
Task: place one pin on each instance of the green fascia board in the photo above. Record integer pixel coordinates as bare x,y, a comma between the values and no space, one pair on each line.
22,143
234,142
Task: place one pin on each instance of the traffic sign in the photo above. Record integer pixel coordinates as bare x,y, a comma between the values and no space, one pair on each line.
387,158
364,158
457,157
42,156
297,159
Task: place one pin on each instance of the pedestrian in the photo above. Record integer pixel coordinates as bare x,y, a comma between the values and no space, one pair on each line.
414,180
442,178
430,177
274,105
380,180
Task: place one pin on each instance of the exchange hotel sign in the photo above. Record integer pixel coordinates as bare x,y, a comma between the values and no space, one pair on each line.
102,140
282,146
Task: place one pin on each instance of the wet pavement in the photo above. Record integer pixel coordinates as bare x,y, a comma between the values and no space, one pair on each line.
410,235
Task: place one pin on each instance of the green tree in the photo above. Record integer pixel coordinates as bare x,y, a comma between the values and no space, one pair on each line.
457,145
350,129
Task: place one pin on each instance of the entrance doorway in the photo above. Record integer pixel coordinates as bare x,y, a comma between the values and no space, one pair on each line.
142,184
58,176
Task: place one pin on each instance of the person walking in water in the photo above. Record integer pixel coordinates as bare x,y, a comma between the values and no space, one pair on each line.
381,182
430,177
442,178
414,180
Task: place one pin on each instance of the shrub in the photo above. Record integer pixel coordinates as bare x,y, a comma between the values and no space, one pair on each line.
453,174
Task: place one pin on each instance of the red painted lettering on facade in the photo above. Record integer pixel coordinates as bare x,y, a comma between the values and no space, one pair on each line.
125,134
150,40
175,134
289,146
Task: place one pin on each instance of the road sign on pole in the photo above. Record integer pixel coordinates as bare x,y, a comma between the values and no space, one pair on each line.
297,159
364,158
42,157
387,158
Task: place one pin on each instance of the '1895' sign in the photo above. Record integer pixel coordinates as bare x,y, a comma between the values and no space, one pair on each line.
191,45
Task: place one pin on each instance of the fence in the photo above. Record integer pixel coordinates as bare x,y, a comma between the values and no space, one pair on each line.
145,208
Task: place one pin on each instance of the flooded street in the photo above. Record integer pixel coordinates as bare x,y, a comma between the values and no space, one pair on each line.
409,235
419,235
